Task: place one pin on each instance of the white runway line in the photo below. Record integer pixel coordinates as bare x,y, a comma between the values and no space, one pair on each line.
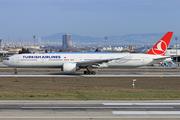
90,117
146,112
94,107
141,103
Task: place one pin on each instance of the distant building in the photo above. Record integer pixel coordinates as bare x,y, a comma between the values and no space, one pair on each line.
66,42
117,48
33,47
172,52
0,42
112,48
130,47
14,50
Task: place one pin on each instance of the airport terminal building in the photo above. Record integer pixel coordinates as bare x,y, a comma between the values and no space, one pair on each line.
172,53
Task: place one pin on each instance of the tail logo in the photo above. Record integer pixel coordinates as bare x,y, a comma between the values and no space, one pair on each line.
160,48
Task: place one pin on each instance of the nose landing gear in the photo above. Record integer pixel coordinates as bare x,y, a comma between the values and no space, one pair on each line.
15,71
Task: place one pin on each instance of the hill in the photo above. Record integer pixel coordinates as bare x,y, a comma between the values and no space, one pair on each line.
130,39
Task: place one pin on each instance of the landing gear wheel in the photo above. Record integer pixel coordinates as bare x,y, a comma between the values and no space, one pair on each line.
93,72
85,72
89,72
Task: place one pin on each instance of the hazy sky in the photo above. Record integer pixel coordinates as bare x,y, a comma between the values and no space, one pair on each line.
96,18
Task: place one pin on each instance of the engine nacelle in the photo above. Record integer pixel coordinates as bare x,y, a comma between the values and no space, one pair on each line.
69,67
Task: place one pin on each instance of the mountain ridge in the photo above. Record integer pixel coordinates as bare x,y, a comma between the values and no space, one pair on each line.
149,38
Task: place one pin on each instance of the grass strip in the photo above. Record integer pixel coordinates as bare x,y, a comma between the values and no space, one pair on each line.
89,89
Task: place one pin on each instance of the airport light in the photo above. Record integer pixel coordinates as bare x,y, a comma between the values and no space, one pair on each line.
34,42
134,80
106,38
176,38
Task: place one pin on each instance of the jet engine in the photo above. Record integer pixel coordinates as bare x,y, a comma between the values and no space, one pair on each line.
69,67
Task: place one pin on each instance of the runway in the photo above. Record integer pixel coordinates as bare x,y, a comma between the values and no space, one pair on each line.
100,74
110,110
162,72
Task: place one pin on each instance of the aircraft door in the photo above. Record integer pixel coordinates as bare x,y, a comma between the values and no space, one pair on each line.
42,60
17,59
142,60
80,59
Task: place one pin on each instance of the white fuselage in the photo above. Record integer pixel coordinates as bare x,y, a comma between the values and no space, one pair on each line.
56,60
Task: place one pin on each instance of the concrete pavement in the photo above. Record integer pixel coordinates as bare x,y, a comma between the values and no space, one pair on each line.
85,110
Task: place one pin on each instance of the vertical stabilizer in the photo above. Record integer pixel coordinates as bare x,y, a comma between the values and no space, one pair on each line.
160,47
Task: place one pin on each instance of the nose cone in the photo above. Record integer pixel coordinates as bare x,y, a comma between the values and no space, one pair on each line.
4,62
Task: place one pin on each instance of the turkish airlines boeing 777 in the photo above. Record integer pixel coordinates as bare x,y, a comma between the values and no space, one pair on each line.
70,62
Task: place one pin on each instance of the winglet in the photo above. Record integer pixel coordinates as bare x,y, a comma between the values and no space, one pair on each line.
161,46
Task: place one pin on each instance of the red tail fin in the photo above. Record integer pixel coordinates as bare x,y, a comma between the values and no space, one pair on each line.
161,45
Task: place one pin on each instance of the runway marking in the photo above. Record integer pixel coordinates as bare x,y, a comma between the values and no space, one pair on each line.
92,107
12,117
146,112
141,103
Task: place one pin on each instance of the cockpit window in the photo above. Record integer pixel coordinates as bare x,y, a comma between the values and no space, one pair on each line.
7,59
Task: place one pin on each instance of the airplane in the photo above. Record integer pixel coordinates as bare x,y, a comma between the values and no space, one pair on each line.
70,62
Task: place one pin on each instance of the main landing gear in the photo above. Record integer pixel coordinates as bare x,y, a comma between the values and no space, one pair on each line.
89,72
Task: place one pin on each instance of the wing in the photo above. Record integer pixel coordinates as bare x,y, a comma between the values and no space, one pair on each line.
95,62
